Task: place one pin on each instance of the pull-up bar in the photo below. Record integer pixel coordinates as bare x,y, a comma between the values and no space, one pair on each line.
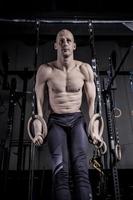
66,21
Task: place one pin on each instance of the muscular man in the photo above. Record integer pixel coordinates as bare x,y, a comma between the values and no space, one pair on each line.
67,136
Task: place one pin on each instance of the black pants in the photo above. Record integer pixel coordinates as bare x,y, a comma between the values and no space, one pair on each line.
68,144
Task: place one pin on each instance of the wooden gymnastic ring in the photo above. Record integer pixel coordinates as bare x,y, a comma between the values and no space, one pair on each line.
103,147
44,126
101,144
117,112
95,117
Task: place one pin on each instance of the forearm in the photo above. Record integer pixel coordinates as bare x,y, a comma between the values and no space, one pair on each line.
91,108
40,107
91,95
40,99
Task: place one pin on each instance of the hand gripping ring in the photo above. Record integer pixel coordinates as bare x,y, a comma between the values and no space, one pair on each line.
44,126
101,144
95,117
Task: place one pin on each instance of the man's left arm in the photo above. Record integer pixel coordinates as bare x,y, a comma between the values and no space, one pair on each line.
90,91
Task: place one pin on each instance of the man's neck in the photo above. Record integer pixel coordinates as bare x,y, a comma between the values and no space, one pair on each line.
65,62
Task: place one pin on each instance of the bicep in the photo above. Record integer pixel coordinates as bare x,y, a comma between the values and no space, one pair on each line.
41,79
90,90
39,90
89,83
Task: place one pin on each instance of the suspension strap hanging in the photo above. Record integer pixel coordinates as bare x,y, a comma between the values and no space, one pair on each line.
35,67
31,174
100,147
98,106
34,109
32,118
114,136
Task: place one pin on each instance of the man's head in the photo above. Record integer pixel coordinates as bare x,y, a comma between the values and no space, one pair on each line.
65,44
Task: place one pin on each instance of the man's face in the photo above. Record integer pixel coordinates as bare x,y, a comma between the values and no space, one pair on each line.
65,43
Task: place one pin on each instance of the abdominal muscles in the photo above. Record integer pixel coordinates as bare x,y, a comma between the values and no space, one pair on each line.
65,102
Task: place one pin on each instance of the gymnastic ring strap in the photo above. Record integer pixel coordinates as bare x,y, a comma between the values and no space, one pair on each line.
44,126
118,152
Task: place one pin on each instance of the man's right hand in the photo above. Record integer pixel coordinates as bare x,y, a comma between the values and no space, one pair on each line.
38,139
40,129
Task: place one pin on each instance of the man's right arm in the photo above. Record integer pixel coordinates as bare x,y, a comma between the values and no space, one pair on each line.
39,89
41,78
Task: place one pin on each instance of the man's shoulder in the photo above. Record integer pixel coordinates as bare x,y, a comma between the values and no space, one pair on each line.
83,65
85,69
44,71
46,66
78,62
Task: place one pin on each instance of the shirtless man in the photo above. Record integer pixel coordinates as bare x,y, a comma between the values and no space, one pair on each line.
67,137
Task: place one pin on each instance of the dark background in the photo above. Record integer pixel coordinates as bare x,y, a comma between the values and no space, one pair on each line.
98,8
17,62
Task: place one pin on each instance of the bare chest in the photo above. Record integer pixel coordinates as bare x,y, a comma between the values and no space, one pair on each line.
66,81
